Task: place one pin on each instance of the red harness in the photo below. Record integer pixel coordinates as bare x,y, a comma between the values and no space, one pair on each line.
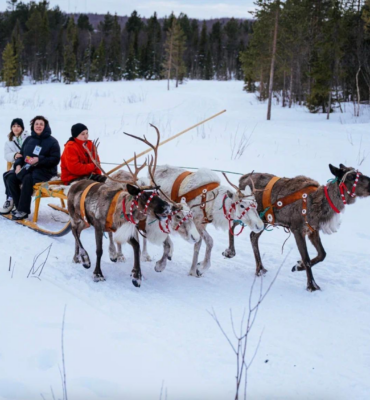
135,203
166,229
228,214
342,188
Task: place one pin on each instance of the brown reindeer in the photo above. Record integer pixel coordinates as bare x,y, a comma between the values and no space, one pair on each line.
322,212
102,202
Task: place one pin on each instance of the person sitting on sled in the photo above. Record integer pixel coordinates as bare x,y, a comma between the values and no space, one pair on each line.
40,156
12,148
76,163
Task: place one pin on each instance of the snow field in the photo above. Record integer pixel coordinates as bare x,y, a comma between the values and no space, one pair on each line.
124,342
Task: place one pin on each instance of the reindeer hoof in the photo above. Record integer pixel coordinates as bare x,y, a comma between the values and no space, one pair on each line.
121,258
146,257
169,258
229,253
114,259
159,267
86,264
195,273
136,282
98,278
298,267
262,271
313,287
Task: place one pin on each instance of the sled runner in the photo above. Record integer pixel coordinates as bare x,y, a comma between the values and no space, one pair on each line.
42,190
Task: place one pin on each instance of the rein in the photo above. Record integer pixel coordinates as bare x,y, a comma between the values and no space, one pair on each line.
342,188
231,220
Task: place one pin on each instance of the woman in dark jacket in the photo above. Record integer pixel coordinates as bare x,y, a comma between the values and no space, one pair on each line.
40,155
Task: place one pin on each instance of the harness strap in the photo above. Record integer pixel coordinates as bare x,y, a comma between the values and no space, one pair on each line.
111,211
266,201
82,202
202,190
331,204
177,184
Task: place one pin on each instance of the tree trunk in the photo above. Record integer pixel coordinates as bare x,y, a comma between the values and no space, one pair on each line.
358,93
329,105
284,88
271,85
291,87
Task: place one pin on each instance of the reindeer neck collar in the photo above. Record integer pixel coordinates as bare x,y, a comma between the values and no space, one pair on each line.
343,190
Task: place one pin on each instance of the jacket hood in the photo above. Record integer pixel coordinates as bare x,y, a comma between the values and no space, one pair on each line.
45,133
23,135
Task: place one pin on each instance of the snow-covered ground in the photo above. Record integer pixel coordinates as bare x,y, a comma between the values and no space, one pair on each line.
124,342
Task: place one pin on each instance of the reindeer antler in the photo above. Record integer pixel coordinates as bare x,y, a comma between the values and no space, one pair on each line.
230,183
137,169
153,164
205,202
95,161
157,186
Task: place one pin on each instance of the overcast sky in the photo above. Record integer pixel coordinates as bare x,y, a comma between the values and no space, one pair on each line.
202,9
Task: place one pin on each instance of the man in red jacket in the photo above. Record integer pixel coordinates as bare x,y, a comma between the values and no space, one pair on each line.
76,162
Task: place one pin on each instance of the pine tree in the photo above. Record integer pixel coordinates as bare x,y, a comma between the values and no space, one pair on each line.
131,70
9,71
98,66
34,39
70,70
202,52
115,52
17,45
174,47
151,53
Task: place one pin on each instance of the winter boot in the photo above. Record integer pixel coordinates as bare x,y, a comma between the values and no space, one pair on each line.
19,215
7,206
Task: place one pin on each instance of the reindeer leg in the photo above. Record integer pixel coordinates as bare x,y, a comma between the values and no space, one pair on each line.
206,263
321,253
160,265
144,254
260,269
230,252
136,271
112,248
80,255
98,275
194,267
170,254
120,256
302,247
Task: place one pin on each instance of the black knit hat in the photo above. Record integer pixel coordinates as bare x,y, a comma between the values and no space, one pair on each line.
18,121
77,129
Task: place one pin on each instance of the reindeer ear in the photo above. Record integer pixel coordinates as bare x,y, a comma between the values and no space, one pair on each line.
342,166
247,191
229,194
133,190
338,173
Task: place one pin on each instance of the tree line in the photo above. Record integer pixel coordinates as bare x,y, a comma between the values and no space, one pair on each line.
48,45
312,52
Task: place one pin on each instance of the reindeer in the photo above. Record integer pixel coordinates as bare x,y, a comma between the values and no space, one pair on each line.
221,205
96,203
180,220
318,210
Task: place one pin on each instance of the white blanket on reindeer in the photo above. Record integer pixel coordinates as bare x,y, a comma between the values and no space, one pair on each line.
166,175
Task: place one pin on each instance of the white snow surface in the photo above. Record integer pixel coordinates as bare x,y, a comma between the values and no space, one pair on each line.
122,342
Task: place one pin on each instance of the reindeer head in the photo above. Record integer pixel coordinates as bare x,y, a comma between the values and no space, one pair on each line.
181,222
244,205
348,176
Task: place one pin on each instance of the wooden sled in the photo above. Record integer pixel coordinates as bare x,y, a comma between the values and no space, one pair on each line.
42,190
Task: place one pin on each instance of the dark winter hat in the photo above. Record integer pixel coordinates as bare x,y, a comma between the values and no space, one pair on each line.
77,129
18,121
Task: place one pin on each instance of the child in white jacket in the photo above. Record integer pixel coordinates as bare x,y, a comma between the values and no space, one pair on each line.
12,148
